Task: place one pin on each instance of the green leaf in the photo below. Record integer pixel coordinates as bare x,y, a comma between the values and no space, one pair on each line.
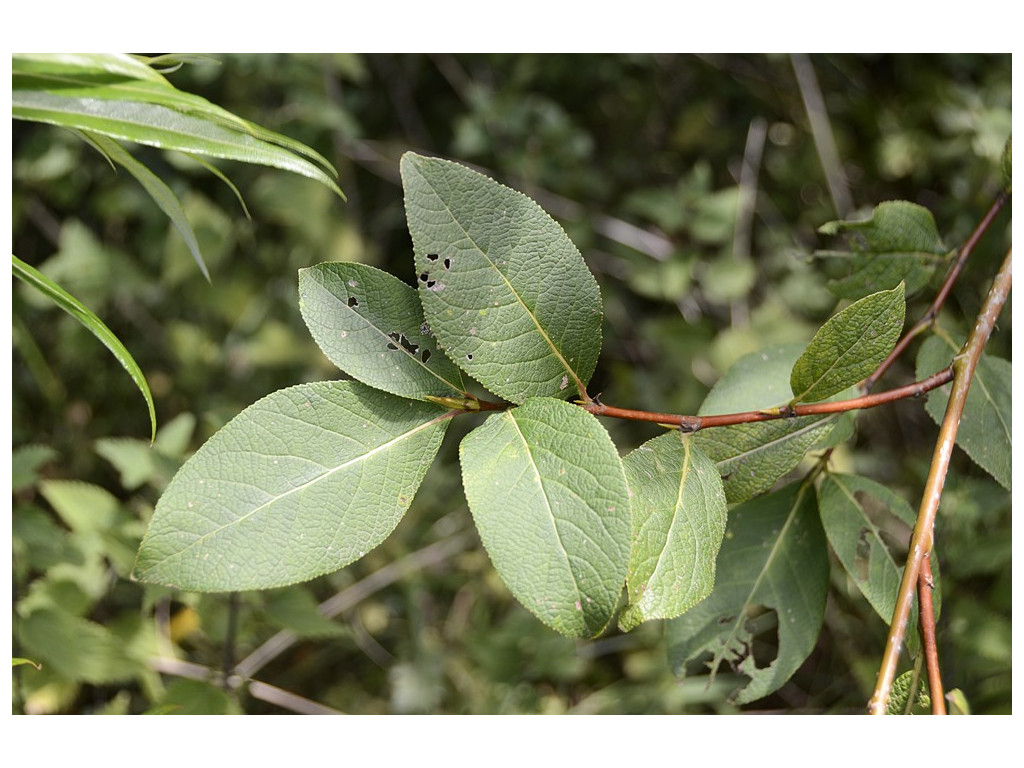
899,698
751,457
985,432
767,608
225,180
678,520
160,192
133,459
370,325
77,649
898,243
850,346
301,483
83,315
120,77
159,126
195,697
548,494
175,436
958,704
26,462
503,288
856,514
139,462
83,507
295,609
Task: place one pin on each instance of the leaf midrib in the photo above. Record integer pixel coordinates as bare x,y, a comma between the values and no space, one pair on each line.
274,500
875,531
881,317
778,441
684,476
761,576
547,506
385,338
511,288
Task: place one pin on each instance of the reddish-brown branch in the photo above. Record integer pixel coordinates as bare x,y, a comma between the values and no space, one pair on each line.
940,298
693,423
964,365
925,585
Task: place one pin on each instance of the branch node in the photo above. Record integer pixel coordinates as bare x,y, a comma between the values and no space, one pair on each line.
689,424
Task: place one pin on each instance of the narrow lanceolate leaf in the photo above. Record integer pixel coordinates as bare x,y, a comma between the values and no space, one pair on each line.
849,346
370,325
898,243
678,520
985,432
160,192
548,494
85,316
862,519
62,69
502,286
158,126
301,483
764,616
119,77
751,457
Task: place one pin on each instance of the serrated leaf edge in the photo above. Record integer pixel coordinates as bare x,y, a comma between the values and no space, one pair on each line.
580,385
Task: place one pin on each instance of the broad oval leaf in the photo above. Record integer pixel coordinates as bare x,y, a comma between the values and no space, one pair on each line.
849,346
502,286
548,494
370,325
985,431
770,592
678,520
751,457
301,483
90,321
898,243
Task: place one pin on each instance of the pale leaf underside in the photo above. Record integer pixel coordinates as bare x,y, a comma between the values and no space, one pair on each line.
299,484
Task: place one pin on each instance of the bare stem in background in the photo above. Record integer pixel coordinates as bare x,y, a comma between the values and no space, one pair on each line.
342,601
231,635
351,596
262,691
742,232
821,130
964,365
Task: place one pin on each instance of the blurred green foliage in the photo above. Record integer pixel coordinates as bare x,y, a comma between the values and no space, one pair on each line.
640,158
